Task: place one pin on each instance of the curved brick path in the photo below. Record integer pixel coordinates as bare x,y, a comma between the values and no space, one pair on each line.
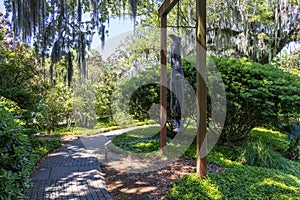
73,171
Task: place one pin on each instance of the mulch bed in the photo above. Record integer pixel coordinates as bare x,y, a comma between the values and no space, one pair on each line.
149,185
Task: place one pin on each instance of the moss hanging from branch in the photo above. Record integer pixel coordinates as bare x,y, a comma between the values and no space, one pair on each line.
58,26
255,29
133,4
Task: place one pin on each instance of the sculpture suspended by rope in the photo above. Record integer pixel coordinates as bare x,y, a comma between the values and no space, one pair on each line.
176,84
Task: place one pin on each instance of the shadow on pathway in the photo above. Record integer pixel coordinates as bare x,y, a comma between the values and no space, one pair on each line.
72,171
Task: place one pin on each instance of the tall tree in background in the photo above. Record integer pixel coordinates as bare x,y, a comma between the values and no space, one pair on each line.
257,29
56,27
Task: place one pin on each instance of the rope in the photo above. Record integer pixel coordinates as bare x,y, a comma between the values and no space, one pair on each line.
178,15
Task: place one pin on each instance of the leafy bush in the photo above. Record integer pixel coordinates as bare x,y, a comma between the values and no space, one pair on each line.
14,151
41,147
56,108
20,80
257,153
18,153
140,92
257,95
278,141
103,91
142,99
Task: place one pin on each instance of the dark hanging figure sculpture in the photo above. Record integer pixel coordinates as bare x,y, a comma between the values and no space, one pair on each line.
176,84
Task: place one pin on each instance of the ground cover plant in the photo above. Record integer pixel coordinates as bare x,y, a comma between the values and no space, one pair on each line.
276,178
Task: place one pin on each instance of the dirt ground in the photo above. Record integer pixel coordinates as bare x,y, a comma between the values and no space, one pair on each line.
150,185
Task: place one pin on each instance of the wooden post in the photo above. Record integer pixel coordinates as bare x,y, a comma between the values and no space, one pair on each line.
201,88
163,83
165,8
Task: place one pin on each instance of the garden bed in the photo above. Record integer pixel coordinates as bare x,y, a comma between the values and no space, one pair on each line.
150,185
230,174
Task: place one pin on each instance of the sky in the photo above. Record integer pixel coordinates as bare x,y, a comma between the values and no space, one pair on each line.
116,28
2,9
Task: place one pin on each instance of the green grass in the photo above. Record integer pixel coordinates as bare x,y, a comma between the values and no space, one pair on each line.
147,139
279,179
103,125
142,140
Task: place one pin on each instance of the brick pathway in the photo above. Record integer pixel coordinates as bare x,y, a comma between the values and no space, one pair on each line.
73,171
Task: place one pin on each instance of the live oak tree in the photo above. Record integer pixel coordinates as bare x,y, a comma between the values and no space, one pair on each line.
257,29
56,27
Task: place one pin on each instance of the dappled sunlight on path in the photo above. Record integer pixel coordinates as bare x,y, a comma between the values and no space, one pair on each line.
71,172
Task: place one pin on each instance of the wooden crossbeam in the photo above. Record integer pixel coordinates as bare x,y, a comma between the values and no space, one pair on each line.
166,7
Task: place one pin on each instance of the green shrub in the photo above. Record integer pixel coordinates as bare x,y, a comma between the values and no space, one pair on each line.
14,151
140,93
142,99
41,147
275,139
18,154
257,153
257,95
56,108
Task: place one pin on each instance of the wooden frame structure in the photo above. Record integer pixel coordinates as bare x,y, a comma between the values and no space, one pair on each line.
166,7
